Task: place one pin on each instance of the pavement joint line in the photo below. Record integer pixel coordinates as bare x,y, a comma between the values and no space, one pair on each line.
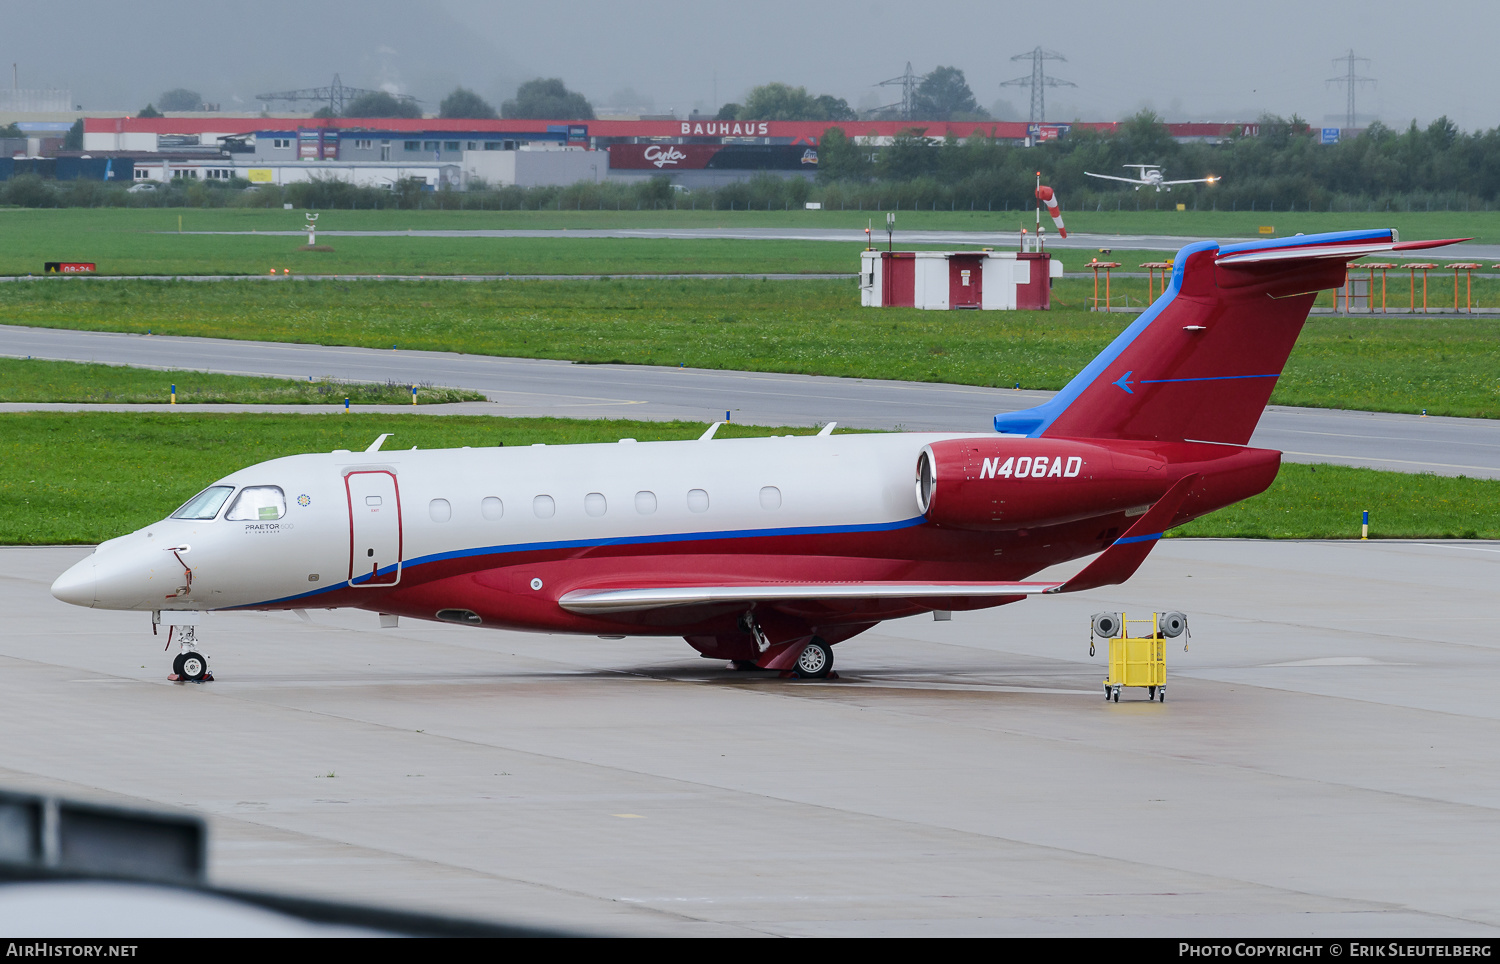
1360,458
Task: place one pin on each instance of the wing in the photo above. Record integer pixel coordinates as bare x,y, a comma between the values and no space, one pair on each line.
1115,565
1111,177
1196,180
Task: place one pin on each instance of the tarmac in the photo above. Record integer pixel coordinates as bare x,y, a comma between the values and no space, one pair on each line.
523,387
1327,762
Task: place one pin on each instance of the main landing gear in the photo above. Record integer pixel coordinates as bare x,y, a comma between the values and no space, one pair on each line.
189,666
815,661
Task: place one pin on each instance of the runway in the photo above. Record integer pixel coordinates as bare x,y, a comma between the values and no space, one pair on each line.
1005,238
1327,763
530,387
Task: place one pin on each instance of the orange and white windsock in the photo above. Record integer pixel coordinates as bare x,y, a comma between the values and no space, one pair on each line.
1045,195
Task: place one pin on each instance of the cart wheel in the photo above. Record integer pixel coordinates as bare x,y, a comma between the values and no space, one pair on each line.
1106,692
1117,694
1150,693
1163,696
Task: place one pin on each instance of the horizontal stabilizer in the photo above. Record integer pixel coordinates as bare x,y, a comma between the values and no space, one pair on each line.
1323,246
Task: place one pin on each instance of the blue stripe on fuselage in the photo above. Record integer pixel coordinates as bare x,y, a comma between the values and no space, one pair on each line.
599,543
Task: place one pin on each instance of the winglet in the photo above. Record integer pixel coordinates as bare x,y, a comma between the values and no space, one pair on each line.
1120,561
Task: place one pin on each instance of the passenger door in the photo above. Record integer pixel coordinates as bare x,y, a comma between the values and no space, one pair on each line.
374,528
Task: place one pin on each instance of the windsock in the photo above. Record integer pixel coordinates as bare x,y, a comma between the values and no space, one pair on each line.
1045,195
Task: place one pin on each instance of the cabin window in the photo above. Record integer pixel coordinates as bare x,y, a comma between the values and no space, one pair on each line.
492,508
544,507
450,145
440,510
258,503
770,497
206,504
697,500
645,502
595,505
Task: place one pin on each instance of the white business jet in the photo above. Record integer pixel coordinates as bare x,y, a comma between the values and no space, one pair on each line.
761,551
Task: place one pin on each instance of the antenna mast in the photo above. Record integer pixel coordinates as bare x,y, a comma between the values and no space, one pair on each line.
1038,80
335,96
908,84
1352,80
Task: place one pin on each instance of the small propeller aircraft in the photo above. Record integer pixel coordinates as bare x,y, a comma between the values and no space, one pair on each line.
761,551
1150,175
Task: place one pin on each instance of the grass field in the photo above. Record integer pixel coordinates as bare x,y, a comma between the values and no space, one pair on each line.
23,380
135,241
85,477
1395,363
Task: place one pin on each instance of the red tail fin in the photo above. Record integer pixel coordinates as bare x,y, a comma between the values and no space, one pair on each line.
1201,362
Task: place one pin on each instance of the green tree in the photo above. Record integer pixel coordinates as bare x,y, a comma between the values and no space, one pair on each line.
11,130
465,103
380,104
777,101
74,140
730,111
910,155
149,111
547,99
835,108
180,98
944,94
840,158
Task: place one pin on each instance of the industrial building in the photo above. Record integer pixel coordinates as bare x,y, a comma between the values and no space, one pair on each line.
456,154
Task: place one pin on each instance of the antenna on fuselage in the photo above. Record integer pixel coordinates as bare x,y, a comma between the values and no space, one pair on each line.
375,445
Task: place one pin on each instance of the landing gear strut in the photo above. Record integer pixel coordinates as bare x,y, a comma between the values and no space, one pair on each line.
189,665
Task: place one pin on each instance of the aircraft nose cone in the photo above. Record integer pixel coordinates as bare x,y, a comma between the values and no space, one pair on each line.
76,586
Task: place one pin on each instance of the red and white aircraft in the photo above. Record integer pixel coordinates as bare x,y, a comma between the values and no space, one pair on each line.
1150,175
764,551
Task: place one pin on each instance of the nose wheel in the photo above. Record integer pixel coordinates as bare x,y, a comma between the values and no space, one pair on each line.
189,665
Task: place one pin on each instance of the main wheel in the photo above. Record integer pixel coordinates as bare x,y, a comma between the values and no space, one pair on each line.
194,667
177,665
816,660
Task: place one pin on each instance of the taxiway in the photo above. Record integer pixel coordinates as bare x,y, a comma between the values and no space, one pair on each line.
1327,762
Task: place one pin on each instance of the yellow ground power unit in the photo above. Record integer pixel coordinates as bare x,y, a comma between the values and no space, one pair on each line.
1138,660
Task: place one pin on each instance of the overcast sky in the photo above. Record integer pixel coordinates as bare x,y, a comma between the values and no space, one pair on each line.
1186,60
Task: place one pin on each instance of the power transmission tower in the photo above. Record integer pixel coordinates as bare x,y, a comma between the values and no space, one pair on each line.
908,83
1351,79
335,96
1038,81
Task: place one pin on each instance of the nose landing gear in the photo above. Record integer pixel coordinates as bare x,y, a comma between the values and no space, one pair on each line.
189,665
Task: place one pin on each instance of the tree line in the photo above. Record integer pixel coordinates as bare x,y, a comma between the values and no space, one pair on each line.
942,94
1284,164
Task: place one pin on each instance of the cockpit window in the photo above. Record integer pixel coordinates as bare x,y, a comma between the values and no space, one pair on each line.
258,503
206,504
